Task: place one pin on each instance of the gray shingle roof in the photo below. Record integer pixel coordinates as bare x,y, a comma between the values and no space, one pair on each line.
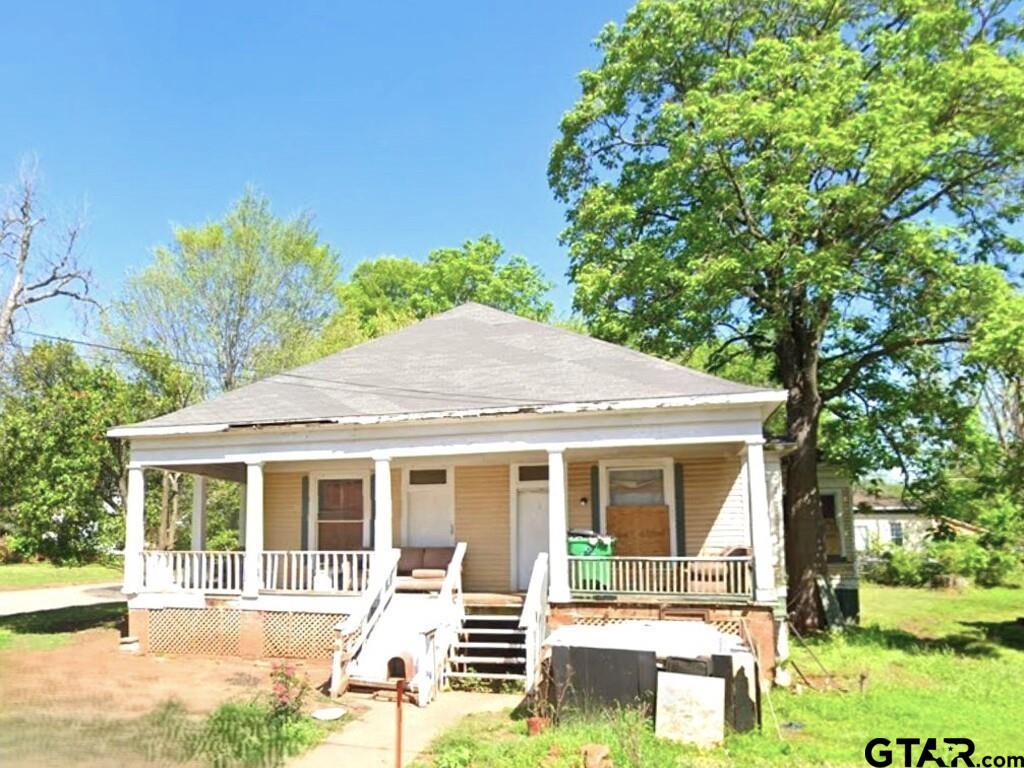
469,358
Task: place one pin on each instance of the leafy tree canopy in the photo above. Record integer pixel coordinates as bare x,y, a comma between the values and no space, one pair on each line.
829,184
389,292
60,477
244,296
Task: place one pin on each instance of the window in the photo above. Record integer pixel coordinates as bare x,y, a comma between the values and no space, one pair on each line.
636,487
533,472
896,534
428,476
833,536
340,512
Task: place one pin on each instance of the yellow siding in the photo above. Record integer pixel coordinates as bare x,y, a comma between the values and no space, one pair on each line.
715,505
282,511
396,507
482,521
579,488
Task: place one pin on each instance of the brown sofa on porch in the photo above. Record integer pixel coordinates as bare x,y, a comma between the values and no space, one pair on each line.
422,569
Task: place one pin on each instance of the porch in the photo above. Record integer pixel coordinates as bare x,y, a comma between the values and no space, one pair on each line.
691,522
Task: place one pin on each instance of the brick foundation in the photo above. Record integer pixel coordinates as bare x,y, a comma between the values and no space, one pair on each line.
138,626
753,622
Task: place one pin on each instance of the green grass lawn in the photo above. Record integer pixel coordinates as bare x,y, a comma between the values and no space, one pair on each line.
933,664
32,575
48,629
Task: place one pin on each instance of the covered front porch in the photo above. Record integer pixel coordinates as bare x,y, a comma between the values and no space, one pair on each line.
691,521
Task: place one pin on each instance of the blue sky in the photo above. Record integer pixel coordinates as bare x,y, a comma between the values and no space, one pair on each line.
402,127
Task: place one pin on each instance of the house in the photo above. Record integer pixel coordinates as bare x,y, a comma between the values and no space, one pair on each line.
885,520
410,498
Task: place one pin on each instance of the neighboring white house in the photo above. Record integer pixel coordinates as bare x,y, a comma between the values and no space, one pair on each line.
412,496
883,520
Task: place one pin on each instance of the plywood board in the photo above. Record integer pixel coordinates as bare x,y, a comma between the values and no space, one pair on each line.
640,531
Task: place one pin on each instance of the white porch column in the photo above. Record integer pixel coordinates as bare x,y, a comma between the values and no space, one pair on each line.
199,512
558,557
241,515
383,537
134,531
253,529
760,525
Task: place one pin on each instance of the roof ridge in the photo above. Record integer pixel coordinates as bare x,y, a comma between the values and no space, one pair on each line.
617,347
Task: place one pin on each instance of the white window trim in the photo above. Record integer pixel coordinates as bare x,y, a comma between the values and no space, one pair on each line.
665,464
408,489
313,523
514,485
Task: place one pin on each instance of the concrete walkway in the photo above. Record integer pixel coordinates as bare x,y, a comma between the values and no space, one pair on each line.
369,740
52,598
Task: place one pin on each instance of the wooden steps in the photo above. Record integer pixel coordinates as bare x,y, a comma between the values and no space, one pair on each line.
490,645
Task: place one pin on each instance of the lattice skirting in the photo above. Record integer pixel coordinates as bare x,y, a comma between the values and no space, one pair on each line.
195,631
299,635
232,632
728,626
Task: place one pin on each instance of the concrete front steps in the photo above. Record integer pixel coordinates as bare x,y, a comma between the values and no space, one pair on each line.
490,646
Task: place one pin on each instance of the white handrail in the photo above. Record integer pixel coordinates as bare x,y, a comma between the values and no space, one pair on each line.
533,619
353,630
718,576
451,604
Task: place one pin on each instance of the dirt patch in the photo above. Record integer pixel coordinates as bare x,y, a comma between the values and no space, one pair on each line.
88,703
90,675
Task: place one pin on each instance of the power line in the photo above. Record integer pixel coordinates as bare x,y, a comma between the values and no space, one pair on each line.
357,386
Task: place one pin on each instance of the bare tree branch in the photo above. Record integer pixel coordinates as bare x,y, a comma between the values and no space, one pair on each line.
35,273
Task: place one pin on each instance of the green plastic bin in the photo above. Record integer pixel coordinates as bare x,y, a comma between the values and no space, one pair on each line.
591,575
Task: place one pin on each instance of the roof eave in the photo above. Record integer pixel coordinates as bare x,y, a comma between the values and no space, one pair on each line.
768,399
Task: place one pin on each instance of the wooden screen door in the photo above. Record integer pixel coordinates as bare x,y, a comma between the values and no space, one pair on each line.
341,514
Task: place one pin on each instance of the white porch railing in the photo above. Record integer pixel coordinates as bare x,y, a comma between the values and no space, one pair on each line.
533,619
452,607
723,577
353,630
309,571
192,571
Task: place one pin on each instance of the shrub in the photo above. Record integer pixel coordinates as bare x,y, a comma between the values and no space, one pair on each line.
897,566
962,556
289,691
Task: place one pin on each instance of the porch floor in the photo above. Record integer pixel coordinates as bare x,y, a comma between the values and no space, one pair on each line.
494,599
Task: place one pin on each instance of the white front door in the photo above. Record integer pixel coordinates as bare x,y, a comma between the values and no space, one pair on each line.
531,531
430,515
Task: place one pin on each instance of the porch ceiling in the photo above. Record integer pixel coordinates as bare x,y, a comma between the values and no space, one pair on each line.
235,472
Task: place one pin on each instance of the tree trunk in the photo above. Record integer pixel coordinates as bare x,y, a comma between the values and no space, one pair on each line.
172,527
805,533
797,354
165,497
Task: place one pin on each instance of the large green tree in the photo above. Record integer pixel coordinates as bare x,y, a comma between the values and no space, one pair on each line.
825,182
388,292
61,478
241,297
